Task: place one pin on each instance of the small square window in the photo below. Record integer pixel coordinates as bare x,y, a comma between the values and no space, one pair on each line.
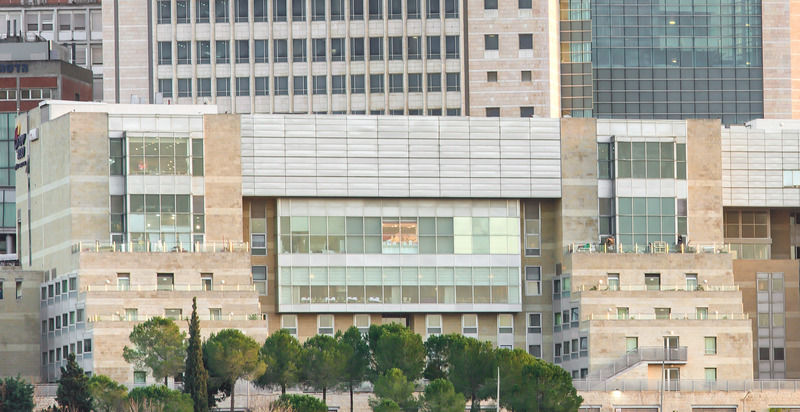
526,41
492,112
491,42
491,77
525,75
526,111
490,4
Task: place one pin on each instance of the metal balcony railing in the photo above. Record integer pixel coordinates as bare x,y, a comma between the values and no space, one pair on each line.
671,316
684,385
160,247
123,317
647,354
654,248
660,288
168,288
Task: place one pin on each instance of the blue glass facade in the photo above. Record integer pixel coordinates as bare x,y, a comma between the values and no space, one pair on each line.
677,59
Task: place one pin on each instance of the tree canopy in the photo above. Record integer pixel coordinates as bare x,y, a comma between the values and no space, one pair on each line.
396,346
231,356
16,395
440,396
528,384
322,363
281,353
472,365
394,385
355,353
159,345
107,395
73,388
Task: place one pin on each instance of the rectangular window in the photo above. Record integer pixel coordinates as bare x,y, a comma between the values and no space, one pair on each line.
280,49
123,281
174,314
433,325
662,313
395,8
524,4
490,42
165,87
260,279
243,86
414,82
139,377
240,9
319,50
337,10
631,344
337,49
395,83
357,83
164,52
691,281
664,160
184,52
526,41
434,82
223,86
289,322
362,322
533,281
131,314
535,323
622,313
261,51
711,345
184,87
356,9
260,10
451,9
87,345
395,48
207,281
320,84
711,374
652,281
281,86
701,313
338,84
505,323
203,52
453,85
223,51
412,9
215,313
242,51
376,83
356,49
318,10
202,11
452,47
165,281
262,86
434,47
414,47
18,289
375,48
299,50
279,12
221,11
164,12
376,9
469,324
490,4
433,9
325,325
298,10
492,112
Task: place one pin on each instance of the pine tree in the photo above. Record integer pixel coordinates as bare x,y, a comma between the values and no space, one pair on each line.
196,380
73,388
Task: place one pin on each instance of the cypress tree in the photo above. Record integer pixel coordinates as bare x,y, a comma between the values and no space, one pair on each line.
196,379
73,388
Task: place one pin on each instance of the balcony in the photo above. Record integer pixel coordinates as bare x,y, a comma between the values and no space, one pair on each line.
169,288
646,354
121,317
660,288
653,248
715,316
160,247
685,385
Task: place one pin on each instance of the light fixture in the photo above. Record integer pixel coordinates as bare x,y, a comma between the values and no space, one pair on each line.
616,393
672,22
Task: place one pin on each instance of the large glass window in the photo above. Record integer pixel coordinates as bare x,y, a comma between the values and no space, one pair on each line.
158,155
652,160
165,221
645,220
533,229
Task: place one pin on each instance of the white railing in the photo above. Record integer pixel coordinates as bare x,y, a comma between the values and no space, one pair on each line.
664,248
685,385
160,247
168,288
122,317
661,288
671,316
641,354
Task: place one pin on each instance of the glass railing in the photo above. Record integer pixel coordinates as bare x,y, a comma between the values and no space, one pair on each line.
654,248
671,316
168,288
160,247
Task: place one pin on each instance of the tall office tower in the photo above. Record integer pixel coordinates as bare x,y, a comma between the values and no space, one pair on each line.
76,24
665,59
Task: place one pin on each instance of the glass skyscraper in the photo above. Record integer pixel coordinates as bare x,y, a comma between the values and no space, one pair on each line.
673,59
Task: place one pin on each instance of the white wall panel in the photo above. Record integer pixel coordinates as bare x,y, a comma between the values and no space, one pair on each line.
393,156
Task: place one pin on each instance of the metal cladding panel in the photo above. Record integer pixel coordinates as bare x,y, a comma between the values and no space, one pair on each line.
761,164
395,156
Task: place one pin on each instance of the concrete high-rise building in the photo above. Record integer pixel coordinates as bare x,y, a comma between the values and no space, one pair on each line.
75,24
606,59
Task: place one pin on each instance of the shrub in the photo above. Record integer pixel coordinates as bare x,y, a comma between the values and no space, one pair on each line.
161,397
16,395
298,403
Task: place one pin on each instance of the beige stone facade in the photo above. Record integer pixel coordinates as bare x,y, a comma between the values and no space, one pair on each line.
19,317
